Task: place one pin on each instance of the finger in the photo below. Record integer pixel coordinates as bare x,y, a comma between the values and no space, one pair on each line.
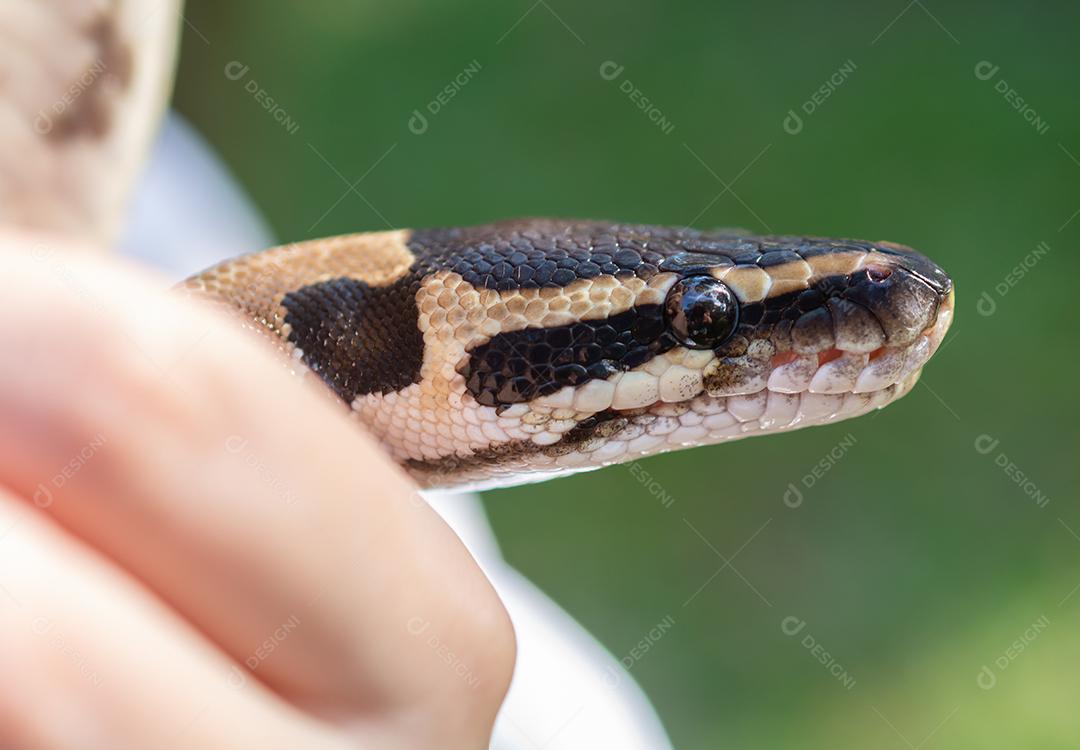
185,451
92,660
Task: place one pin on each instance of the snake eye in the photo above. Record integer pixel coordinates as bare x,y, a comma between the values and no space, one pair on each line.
701,311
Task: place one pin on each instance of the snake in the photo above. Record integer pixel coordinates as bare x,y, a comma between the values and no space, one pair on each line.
493,355
488,355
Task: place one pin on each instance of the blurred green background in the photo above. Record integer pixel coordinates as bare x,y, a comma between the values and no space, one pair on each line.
915,561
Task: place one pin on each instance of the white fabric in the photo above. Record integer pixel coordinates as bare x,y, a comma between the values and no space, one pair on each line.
568,693
187,212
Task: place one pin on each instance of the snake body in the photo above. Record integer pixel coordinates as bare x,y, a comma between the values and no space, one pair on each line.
509,352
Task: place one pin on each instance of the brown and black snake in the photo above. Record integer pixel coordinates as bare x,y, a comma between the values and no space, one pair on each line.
514,351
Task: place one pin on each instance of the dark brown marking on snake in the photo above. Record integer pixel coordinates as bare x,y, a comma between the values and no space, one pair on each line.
92,107
358,338
483,459
519,366
534,253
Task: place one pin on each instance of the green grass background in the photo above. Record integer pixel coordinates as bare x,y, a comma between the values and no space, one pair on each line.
915,560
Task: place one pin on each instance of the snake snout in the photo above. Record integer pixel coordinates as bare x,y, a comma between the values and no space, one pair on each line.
904,290
901,302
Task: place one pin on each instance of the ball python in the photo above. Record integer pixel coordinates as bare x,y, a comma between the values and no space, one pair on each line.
492,355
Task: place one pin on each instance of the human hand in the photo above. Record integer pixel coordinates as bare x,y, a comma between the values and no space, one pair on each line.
200,550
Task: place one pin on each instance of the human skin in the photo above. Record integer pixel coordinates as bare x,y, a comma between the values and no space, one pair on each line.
199,549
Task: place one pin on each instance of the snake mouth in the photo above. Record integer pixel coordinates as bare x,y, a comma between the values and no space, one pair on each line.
832,381
792,390
836,370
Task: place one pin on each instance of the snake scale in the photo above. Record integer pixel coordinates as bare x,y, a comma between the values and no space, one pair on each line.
491,355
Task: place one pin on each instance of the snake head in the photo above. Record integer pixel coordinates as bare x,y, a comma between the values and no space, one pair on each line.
657,339
505,353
